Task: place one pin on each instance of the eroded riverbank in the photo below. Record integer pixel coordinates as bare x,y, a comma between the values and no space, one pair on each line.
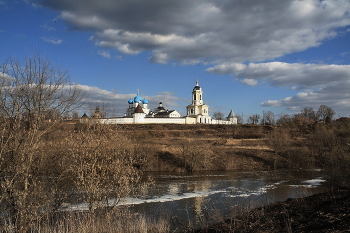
323,212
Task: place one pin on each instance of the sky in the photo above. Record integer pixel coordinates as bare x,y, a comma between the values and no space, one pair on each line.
249,56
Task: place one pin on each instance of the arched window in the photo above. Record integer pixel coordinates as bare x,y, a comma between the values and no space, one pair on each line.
194,96
200,97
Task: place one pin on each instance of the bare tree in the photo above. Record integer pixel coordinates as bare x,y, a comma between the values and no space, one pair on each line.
325,113
218,115
240,119
254,119
306,116
45,163
103,171
268,118
308,113
284,120
30,90
30,94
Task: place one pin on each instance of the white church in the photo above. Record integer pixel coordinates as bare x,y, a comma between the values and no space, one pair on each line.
139,113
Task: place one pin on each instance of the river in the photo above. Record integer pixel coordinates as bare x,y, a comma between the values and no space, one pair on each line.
193,196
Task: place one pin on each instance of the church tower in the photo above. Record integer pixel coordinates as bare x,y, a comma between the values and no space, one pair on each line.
198,109
197,95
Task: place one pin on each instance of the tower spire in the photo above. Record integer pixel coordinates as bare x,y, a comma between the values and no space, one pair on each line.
197,82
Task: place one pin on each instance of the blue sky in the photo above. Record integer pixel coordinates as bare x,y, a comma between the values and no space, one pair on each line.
249,56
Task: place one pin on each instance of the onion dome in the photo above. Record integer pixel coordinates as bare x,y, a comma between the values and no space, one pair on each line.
137,99
144,101
196,87
130,101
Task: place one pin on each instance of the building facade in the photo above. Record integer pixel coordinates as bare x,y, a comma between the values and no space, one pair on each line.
139,113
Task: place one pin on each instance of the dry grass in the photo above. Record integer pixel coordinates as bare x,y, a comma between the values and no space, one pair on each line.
93,159
110,222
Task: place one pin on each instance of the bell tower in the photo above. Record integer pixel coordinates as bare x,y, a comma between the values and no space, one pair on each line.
197,108
197,95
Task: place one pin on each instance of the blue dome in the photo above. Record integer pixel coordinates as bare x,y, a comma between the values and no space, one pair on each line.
137,99
130,101
144,101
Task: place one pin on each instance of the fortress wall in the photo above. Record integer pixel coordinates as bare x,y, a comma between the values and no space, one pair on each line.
128,120
171,120
223,122
121,120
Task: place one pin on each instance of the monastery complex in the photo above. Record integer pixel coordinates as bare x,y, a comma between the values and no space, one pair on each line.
139,113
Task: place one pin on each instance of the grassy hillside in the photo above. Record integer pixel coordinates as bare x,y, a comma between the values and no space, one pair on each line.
231,147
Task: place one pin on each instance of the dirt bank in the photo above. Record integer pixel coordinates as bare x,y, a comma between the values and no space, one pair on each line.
324,212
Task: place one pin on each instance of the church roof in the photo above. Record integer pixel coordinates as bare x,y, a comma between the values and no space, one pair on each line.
231,114
84,116
139,109
164,113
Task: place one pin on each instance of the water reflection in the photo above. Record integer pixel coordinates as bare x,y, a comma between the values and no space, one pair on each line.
194,195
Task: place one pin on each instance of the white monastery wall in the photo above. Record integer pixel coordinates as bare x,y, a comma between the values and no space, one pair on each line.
121,120
138,113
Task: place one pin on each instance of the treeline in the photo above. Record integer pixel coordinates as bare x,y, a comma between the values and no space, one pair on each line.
307,115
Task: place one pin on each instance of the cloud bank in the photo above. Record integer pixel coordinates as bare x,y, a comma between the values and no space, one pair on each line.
236,36
202,30
324,84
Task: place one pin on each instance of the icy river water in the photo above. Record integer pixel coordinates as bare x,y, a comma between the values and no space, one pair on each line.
198,194
189,196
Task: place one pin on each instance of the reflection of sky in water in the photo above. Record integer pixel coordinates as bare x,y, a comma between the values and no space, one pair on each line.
221,188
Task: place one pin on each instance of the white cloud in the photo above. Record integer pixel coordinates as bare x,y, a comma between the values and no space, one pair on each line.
159,57
286,74
344,54
220,31
5,77
325,84
48,27
105,54
249,81
227,68
52,40
335,95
